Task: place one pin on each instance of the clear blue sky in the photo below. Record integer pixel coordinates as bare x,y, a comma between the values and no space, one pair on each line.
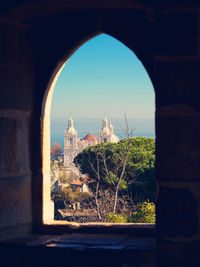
103,76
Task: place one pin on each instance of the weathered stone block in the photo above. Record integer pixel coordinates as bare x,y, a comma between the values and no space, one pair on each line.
176,33
9,43
8,140
180,254
178,149
14,143
16,88
178,83
176,213
15,201
15,45
192,253
171,254
173,4
25,56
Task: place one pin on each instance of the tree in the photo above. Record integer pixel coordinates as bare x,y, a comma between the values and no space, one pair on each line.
98,177
56,150
117,176
145,213
126,167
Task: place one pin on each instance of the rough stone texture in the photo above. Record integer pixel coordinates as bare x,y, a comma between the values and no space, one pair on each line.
178,83
19,50
16,85
179,4
16,68
176,213
14,154
8,138
192,253
15,201
177,33
180,254
178,151
9,50
172,254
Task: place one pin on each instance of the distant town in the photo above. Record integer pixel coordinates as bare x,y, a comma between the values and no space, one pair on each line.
94,178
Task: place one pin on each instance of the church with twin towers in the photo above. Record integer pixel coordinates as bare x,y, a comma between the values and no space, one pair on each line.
74,145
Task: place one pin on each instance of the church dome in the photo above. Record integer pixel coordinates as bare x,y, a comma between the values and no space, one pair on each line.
114,138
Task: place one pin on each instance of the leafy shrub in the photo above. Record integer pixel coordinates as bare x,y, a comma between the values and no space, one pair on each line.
116,218
145,213
73,196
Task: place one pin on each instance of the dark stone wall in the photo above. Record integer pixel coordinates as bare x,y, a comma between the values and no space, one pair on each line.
177,137
16,105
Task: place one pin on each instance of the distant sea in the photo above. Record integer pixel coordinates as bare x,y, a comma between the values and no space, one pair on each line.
140,127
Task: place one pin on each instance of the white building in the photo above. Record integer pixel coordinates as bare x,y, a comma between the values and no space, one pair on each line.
73,145
106,133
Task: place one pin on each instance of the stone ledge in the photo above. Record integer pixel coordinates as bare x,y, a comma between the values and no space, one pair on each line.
62,227
78,250
84,241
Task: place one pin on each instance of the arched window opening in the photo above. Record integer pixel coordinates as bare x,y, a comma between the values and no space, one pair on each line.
102,137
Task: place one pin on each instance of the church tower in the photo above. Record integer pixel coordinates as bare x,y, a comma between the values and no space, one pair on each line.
70,144
106,133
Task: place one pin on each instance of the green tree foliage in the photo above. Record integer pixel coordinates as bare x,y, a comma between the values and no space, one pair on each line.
139,177
145,213
116,218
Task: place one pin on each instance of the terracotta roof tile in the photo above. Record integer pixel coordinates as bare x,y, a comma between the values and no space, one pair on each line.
78,182
86,179
89,138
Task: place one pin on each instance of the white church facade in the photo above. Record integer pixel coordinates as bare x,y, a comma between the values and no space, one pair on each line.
74,145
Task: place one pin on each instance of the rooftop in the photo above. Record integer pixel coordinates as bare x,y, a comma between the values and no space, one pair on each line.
89,138
78,182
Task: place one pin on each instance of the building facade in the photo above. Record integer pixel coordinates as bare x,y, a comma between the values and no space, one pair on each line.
74,145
